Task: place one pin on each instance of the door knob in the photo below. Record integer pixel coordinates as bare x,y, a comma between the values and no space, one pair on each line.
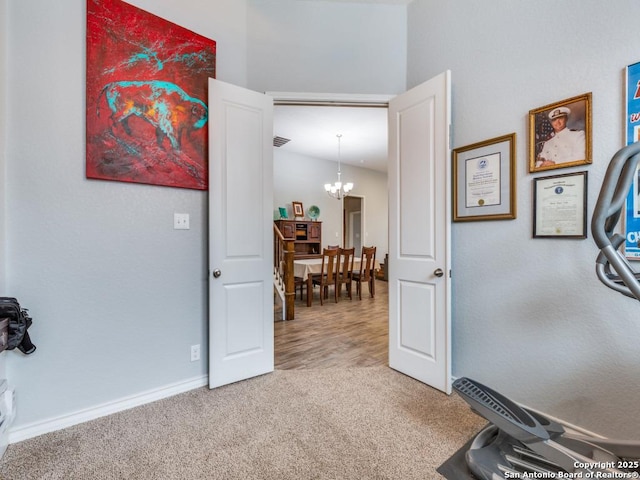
438,272
216,273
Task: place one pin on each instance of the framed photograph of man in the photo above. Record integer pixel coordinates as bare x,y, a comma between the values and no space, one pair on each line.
560,134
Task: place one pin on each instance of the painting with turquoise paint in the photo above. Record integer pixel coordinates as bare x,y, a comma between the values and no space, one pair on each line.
146,98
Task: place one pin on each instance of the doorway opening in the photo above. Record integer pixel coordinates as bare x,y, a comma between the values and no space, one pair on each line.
343,222
353,223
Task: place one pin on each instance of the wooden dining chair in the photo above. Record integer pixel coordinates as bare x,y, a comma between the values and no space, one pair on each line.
325,278
344,272
366,274
298,282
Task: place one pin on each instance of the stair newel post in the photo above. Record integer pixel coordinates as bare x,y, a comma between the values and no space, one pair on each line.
289,285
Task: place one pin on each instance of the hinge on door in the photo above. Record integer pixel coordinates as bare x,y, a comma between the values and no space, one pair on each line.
449,273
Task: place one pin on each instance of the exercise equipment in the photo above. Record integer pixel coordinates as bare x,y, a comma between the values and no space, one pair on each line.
520,443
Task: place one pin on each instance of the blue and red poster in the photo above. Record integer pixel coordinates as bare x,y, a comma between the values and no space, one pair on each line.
146,97
632,217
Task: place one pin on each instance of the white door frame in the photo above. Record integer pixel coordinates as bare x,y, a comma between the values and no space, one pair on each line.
330,99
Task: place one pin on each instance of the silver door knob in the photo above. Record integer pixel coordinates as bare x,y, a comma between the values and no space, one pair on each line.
216,273
438,272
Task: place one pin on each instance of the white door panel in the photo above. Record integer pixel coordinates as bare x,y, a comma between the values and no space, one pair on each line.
416,336
240,233
419,240
416,180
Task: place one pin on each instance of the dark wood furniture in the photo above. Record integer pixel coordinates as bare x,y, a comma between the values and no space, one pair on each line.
325,278
344,272
366,274
307,236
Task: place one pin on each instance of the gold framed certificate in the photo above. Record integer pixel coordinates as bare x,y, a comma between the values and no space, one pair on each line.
484,186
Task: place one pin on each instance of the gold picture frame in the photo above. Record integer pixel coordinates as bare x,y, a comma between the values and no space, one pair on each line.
298,210
560,134
484,180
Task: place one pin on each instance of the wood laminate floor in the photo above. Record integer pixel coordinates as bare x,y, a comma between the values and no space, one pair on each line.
350,333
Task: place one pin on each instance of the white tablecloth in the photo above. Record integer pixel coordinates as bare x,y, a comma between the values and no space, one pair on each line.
302,268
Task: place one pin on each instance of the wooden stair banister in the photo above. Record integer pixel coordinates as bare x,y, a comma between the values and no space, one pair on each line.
283,254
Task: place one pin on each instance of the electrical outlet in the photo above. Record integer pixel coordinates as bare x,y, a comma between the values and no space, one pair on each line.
181,221
195,353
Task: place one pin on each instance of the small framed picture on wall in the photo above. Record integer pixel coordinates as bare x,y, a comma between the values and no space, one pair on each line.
298,211
560,134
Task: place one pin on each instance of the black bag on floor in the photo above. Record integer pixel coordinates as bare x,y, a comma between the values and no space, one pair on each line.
19,322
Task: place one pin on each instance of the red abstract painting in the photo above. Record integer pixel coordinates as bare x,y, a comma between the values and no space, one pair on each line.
147,108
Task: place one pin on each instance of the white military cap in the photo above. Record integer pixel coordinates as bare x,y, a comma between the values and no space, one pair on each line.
559,112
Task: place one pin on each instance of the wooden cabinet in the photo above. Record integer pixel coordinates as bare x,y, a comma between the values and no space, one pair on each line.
307,236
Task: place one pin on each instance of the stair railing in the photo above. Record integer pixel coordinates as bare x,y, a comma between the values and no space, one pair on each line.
283,252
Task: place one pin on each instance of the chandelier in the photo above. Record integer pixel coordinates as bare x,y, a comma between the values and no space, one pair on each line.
338,190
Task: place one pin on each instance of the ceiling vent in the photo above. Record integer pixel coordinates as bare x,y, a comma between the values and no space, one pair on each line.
280,141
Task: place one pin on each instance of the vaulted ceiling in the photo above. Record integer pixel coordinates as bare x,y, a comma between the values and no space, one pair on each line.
312,131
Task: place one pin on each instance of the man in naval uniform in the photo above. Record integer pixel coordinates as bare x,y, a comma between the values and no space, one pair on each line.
566,145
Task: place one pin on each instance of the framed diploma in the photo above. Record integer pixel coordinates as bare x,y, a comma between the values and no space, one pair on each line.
560,206
484,180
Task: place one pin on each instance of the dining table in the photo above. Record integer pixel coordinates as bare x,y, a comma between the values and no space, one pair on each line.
303,267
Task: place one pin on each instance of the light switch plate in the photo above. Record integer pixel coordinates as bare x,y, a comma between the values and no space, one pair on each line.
181,221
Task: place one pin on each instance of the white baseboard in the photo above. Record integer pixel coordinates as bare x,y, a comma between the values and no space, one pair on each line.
63,421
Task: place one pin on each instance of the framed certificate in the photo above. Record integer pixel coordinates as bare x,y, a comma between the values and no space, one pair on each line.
560,206
484,186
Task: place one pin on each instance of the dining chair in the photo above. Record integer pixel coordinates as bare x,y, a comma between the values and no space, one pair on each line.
344,273
298,282
366,273
326,277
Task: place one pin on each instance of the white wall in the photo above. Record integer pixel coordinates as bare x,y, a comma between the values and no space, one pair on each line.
3,137
117,295
329,47
3,129
221,20
300,178
530,317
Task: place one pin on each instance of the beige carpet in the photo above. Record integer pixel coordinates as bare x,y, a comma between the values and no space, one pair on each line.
354,423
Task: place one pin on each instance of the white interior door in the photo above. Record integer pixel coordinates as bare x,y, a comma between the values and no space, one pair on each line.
240,233
355,232
419,233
